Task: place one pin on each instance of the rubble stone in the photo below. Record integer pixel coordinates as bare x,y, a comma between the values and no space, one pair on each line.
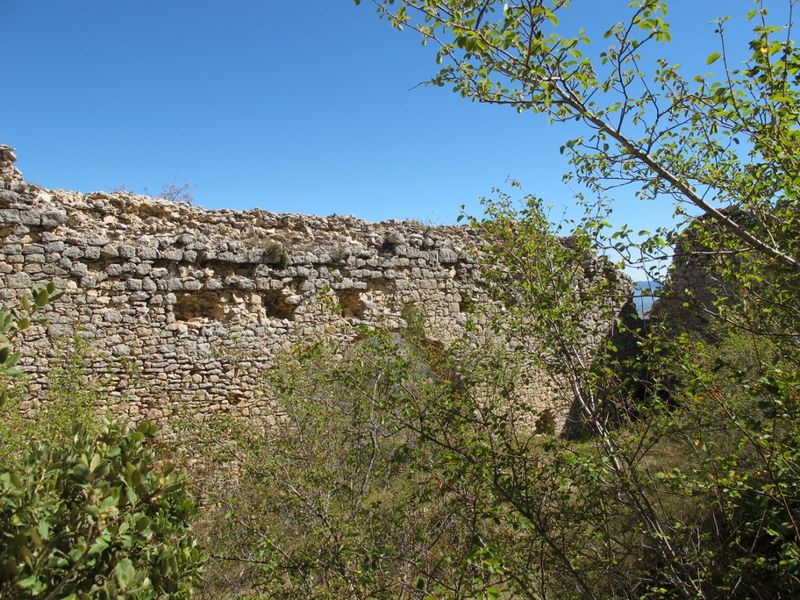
197,303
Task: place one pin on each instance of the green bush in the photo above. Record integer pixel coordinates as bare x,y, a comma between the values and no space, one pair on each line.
340,499
87,509
396,468
98,517
275,254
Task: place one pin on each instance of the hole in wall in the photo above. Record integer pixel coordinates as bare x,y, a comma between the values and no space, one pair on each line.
350,303
199,306
275,305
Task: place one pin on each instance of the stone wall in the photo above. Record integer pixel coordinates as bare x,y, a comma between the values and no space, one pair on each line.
184,304
695,282
187,307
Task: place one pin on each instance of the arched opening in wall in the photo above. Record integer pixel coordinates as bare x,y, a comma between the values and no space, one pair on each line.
199,306
276,306
350,304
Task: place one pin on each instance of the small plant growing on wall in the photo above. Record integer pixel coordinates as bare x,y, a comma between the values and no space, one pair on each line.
177,193
275,254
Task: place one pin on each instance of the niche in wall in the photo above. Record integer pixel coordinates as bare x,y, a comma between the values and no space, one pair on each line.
199,306
350,304
276,306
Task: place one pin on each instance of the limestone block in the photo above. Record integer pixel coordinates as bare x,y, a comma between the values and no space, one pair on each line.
92,253
9,216
127,251
79,269
448,256
73,252
147,252
172,254
53,218
18,281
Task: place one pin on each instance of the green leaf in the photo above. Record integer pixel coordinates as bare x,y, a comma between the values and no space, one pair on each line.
99,545
12,360
31,582
124,573
712,58
44,529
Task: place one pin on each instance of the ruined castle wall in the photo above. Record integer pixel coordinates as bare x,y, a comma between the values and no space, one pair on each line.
181,304
188,309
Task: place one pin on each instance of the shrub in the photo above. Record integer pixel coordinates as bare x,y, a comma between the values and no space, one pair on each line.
275,254
340,499
177,193
86,509
99,516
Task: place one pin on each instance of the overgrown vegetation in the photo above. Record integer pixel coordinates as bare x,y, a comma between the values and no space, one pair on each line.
681,476
87,507
398,468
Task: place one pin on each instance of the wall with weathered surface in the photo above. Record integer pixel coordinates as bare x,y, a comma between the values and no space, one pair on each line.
187,307
696,282
186,304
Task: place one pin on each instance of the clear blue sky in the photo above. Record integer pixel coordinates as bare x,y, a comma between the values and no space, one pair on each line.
284,105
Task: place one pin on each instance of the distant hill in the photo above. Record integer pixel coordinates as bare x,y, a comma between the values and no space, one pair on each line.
644,294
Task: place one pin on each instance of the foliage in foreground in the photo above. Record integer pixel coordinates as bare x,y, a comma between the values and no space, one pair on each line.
699,470
99,518
338,500
398,469
87,510
388,478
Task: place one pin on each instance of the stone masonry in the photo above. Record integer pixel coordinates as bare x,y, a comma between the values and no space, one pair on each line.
187,307
184,304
